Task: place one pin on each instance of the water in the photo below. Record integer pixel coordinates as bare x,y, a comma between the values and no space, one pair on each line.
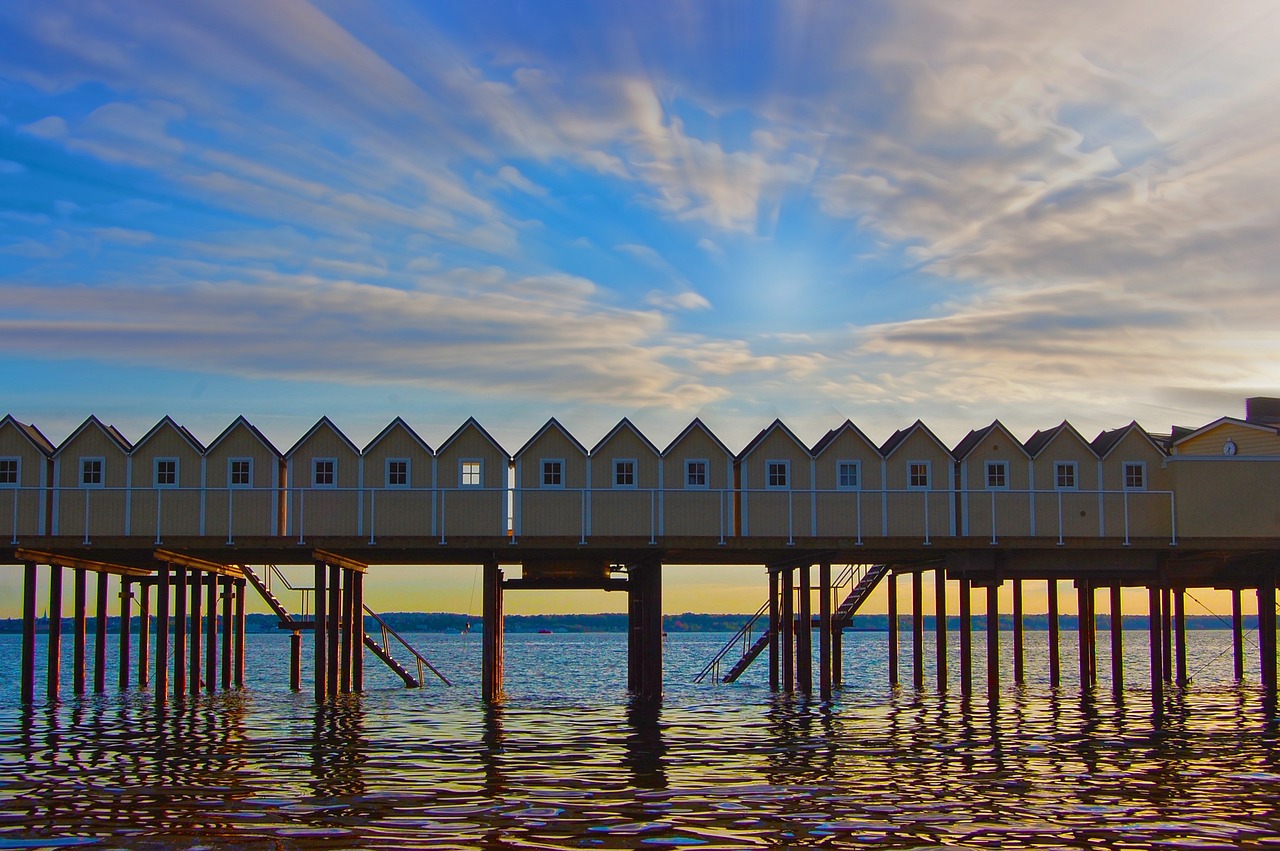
567,762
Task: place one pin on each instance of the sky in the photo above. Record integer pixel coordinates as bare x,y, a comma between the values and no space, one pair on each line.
737,211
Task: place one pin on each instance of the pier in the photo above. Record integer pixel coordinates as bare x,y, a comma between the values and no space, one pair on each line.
185,531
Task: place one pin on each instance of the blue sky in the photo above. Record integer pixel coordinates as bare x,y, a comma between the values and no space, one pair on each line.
737,211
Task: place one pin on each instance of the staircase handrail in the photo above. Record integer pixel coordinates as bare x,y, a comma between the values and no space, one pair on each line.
305,590
387,629
743,633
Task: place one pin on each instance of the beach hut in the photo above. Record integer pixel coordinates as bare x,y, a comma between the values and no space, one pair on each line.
774,473
848,476
919,484
166,469
1226,477
1136,498
994,483
471,483
1064,483
91,477
323,471
625,483
399,477
26,471
697,496
551,495
244,484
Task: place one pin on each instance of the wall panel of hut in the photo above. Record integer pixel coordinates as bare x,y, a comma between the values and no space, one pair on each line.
1066,508
913,510
697,509
252,509
984,499
471,509
398,510
22,503
316,509
1249,441
555,510
157,508
1143,511
1227,497
852,507
622,509
103,504
769,508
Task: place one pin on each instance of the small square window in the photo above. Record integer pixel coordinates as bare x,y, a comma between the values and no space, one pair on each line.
695,473
91,472
1064,475
1135,476
166,472
324,472
918,475
624,473
241,472
470,473
848,475
777,474
552,473
9,472
398,472
997,475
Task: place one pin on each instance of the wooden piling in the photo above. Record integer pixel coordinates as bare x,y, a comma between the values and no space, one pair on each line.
321,631
357,640
126,631
335,626
1237,633
1267,637
100,636
774,628
144,635
966,639
892,579
652,687
993,641
788,633
29,576
1180,634
804,632
837,656
179,631
239,637
162,633
1155,635
917,629
1084,628
1055,649
348,629
491,650
197,629
1166,624
1019,660
824,630
940,625
295,661
225,586
55,632
79,639
211,633
1117,641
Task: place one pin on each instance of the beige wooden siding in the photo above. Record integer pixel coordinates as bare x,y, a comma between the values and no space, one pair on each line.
235,512
770,512
398,511
471,512
617,511
105,505
848,513
1249,441
697,512
1137,513
21,507
552,511
1069,513
919,513
157,512
322,511
1000,512
1227,497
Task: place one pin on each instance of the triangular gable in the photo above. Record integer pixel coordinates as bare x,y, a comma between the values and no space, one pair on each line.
472,423
776,425
33,435
392,426
1041,440
93,422
974,439
1221,421
698,425
241,422
551,424
1106,441
323,422
167,420
834,434
900,436
624,423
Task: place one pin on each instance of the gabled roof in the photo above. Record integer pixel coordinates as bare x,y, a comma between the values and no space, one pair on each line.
1221,421
776,425
900,436
31,433
241,422
550,424
1108,440
974,439
697,425
1039,441
624,423
392,426
323,422
831,436
109,431
472,423
181,430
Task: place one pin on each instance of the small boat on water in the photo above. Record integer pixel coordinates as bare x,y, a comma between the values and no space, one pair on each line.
544,632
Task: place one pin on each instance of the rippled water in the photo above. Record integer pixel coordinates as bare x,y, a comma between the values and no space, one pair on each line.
566,762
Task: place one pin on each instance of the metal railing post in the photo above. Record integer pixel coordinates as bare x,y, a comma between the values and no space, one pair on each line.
86,514
582,495
653,516
159,501
373,508
442,496
1126,517
1173,521
926,517
993,517
859,505
302,513
791,531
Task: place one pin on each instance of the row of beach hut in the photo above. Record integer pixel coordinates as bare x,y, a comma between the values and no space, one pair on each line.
1124,483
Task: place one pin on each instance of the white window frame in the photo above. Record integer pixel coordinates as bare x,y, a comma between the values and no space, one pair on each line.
551,467
928,475
466,467
699,467
619,465
155,472
408,472
771,468
102,471
1001,469
231,472
856,467
1141,467
1073,468
16,460
315,473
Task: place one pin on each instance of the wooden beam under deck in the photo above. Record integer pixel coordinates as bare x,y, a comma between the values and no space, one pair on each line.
59,560
217,568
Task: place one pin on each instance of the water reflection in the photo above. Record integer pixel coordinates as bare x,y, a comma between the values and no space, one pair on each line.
645,750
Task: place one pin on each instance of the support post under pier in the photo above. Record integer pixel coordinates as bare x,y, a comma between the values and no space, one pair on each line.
100,636
940,624
491,651
804,632
966,639
29,632
917,629
893,629
824,630
1055,651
